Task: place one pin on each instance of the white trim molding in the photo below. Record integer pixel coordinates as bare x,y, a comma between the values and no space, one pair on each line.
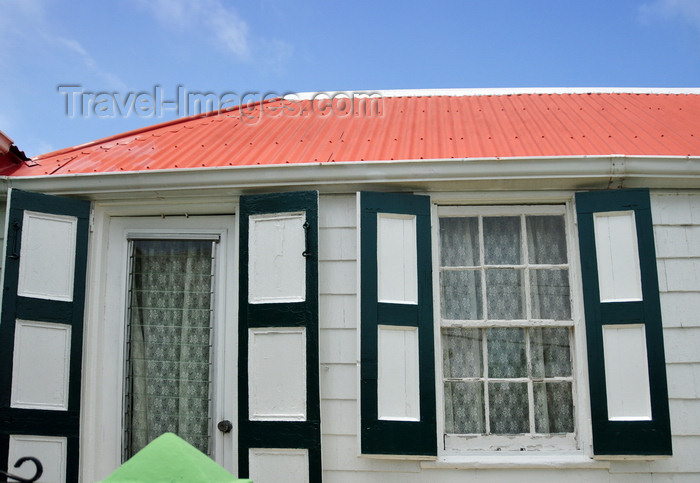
526,173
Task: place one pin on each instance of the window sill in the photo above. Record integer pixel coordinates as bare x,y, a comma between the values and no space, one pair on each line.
529,460
631,457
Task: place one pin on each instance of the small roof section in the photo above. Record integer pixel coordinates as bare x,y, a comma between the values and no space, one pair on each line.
395,125
170,458
9,153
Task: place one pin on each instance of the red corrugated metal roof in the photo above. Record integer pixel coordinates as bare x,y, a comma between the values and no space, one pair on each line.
397,128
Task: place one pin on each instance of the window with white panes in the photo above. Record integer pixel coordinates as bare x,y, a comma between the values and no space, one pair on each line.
506,328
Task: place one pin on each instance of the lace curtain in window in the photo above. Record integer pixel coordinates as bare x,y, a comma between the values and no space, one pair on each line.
168,367
503,281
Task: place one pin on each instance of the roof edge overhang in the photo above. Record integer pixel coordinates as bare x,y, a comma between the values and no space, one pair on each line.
488,174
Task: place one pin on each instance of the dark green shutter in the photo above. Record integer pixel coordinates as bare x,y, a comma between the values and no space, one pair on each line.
42,422
281,434
615,437
392,437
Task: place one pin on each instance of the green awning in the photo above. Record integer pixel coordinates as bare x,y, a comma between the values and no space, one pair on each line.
168,458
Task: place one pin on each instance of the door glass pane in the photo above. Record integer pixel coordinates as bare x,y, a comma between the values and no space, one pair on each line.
169,348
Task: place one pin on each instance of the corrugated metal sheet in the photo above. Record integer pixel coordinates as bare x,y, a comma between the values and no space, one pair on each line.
397,128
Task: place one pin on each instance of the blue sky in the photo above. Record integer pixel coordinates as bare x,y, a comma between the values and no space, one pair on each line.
125,47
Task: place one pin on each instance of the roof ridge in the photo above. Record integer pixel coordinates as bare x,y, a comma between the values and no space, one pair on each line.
492,91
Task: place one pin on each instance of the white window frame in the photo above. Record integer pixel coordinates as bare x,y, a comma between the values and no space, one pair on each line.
519,449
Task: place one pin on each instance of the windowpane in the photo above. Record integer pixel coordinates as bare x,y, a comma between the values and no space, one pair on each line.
550,352
459,242
462,353
554,407
546,239
464,407
512,373
505,294
508,413
502,240
507,354
167,387
460,295
549,294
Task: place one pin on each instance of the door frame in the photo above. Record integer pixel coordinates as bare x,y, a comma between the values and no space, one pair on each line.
105,327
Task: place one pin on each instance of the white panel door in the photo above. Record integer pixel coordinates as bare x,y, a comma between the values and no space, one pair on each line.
169,333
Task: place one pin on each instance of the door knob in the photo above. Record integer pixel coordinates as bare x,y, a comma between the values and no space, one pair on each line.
225,426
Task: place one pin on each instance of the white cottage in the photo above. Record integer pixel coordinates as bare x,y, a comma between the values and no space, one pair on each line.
430,286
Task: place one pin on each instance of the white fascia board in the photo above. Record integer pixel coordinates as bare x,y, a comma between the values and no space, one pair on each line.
532,173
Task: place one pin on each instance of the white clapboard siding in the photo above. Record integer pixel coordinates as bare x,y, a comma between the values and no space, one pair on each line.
677,237
337,313
339,342
337,306
680,309
682,345
677,232
676,220
340,454
338,346
684,416
680,380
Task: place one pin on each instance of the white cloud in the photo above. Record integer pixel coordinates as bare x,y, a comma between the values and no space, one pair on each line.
685,10
76,47
25,30
219,23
